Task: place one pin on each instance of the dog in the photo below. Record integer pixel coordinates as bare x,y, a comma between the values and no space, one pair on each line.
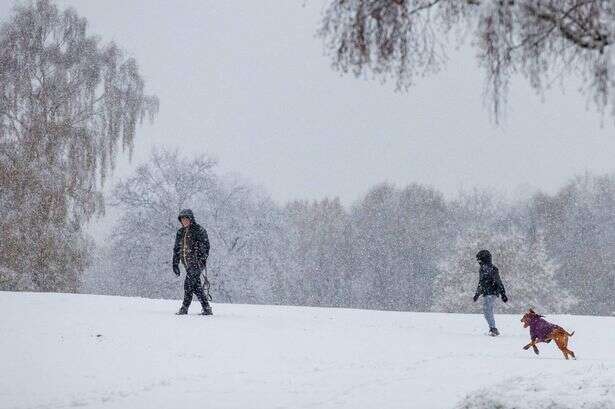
543,331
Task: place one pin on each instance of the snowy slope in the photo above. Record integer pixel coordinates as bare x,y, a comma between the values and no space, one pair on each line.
61,351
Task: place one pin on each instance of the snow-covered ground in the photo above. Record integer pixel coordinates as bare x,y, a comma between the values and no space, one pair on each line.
59,351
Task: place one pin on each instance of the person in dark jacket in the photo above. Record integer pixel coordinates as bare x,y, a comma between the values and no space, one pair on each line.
490,287
192,249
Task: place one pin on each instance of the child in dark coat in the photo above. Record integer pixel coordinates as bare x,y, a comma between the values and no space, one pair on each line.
490,287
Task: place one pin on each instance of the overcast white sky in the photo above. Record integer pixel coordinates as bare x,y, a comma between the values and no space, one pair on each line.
247,82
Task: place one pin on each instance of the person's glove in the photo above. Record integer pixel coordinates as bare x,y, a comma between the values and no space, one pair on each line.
504,297
176,269
475,298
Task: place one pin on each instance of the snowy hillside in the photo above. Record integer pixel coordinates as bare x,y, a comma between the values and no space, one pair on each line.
60,351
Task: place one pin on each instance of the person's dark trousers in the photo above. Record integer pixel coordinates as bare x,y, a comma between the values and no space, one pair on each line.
192,285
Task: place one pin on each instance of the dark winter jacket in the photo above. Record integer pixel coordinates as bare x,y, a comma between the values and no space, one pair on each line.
540,328
489,282
191,245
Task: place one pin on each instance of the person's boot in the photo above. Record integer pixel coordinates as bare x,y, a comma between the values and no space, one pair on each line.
182,311
207,310
493,332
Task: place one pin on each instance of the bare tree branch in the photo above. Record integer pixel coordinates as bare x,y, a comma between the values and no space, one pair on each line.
402,40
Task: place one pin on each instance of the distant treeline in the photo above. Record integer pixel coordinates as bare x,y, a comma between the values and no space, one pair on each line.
395,249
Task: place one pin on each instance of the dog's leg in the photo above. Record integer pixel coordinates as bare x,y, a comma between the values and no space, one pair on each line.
529,345
533,345
566,346
562,340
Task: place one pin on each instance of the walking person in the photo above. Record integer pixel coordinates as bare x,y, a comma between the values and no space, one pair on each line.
192,249
490,287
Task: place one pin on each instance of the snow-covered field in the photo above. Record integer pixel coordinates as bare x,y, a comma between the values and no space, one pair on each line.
59,351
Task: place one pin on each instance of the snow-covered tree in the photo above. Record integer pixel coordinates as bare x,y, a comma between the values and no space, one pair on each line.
247,236
149,202
528,273
579,226
320,245
13,281
67,104
243,227
398,238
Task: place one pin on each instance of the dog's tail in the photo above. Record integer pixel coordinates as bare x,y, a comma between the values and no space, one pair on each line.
564,331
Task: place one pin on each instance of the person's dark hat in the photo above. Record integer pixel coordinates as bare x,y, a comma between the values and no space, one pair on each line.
186,213
483,256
